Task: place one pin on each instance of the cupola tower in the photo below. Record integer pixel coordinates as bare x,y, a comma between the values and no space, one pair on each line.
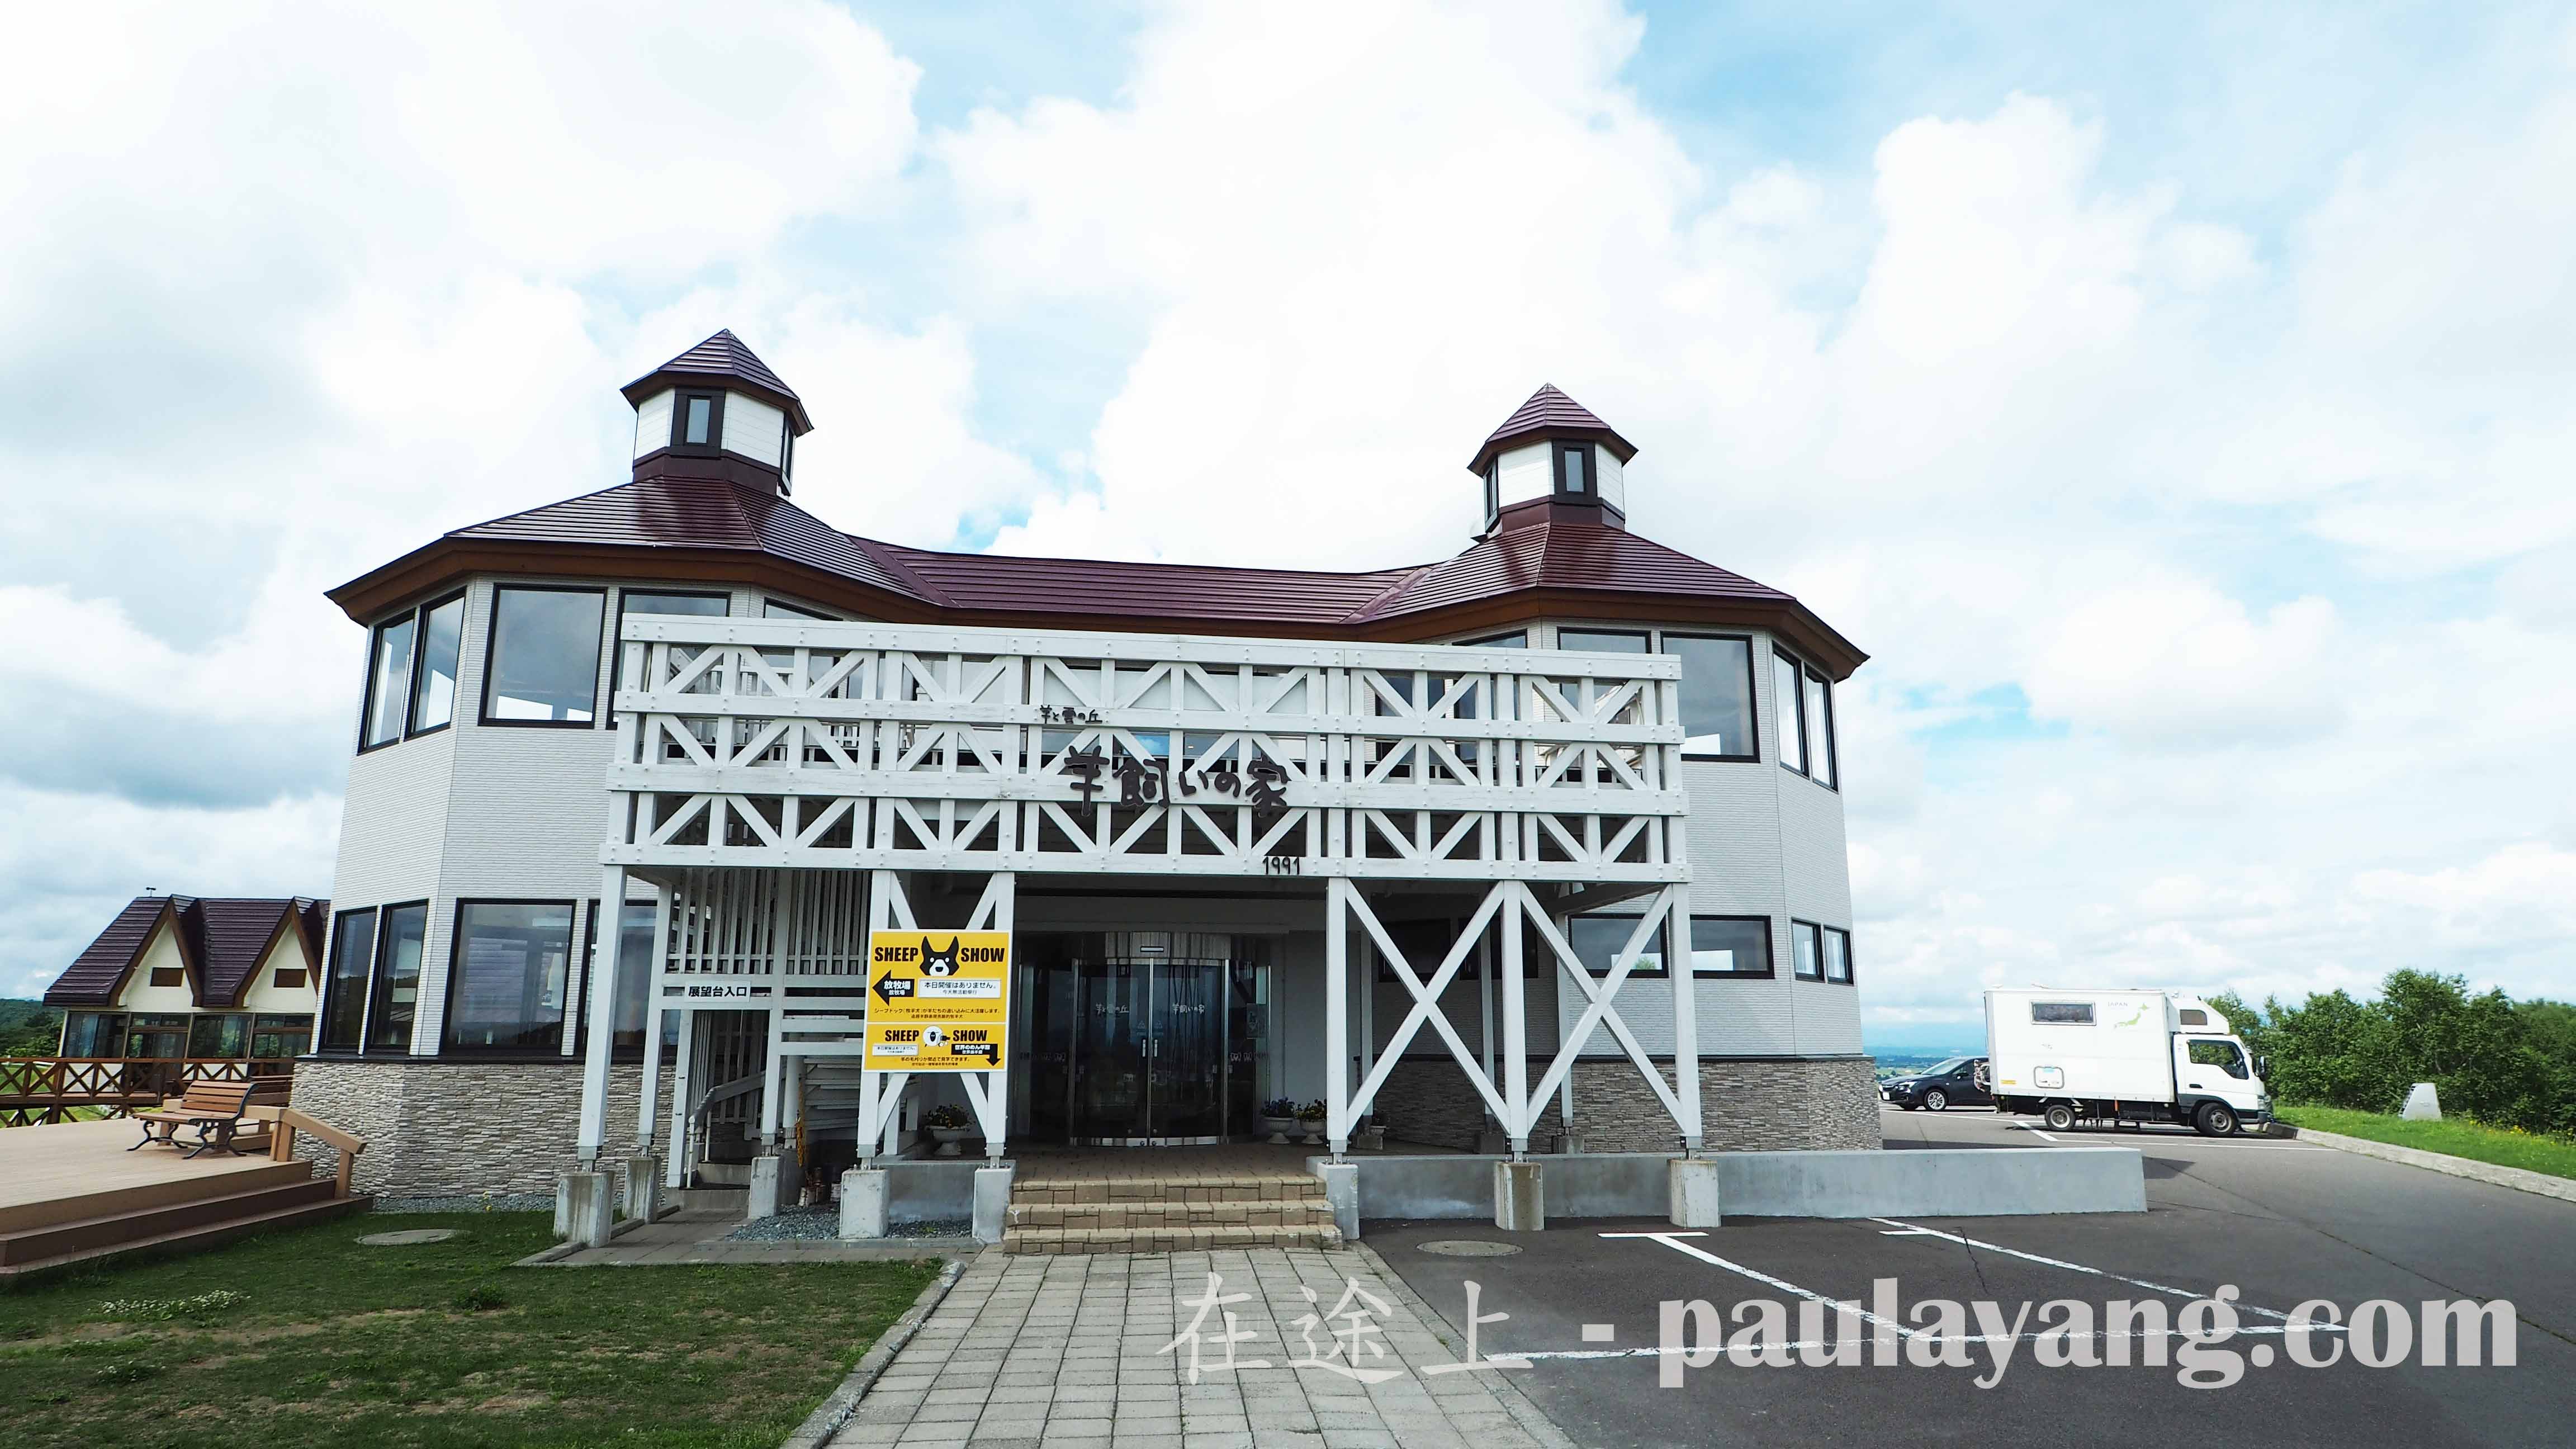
717,411
1554,457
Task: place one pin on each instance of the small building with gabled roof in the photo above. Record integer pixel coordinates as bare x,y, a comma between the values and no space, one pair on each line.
197,979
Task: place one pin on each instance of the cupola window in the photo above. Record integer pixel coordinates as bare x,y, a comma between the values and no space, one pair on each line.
1573,464
698,420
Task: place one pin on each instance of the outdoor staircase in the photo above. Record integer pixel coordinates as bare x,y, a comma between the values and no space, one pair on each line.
185,1213
1178,1212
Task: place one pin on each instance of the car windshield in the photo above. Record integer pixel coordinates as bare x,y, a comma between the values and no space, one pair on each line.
1946,1068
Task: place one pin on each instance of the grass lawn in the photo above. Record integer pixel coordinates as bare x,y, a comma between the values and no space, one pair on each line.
435,1345
2553,1155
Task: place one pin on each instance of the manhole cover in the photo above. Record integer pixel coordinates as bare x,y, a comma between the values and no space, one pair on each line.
1469,1248
408,1237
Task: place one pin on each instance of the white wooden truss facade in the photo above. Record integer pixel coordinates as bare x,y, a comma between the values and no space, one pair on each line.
775,780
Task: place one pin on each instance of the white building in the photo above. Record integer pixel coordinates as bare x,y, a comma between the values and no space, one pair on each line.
645,764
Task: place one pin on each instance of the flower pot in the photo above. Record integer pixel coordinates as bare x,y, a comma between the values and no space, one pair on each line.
1314,1129
948,1138
1279,1128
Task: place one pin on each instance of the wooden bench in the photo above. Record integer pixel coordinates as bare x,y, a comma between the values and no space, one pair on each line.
212,1109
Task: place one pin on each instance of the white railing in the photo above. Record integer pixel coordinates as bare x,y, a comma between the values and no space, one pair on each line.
850,745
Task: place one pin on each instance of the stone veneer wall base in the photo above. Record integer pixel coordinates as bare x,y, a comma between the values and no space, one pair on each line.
438,1128
1747,1104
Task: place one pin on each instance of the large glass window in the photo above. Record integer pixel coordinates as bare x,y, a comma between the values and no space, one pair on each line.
634,975
226,1035
1838,956
1517,639
1717,695
1604,641
344,996
1573,465
506,983
93,1033
697,420
442,633
162,1036
635,601
396,995
781,609
544,661
1596,940
1731,945
1786,711
1806,956
277,1038
388,682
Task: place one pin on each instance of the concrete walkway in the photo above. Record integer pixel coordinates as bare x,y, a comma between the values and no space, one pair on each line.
1043,1351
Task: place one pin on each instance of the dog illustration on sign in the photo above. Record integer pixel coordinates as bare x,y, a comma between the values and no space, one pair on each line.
936,963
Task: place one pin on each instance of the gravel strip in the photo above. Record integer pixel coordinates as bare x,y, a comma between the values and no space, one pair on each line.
514,1202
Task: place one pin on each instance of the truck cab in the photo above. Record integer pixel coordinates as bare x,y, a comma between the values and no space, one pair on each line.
2218,1069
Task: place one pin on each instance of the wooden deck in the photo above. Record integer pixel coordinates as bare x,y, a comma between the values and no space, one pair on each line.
81,1169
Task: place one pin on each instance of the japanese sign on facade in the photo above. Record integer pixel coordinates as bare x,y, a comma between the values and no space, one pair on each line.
938,1001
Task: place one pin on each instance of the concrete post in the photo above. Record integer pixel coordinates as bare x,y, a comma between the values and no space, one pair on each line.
992,1203
865,1198
769,1178
1342,1192
1520,1196
644,1187
1694,1203
585,1208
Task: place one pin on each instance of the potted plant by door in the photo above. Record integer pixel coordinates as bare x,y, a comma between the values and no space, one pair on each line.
948,1125
1311,1118
1279,1118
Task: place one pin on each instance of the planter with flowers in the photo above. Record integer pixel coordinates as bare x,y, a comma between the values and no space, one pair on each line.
1279,1118
948,1124
1310,1118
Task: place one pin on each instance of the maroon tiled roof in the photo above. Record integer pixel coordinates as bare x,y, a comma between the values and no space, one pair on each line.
1542,554
722,358
221,938
1002,583
1550,411
696,513
94,975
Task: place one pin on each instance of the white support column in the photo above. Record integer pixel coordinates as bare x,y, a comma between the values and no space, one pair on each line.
650,1097
1678,965
1366,987
1516,1124
603,1011
989,1093
772,1087
675,1172
1337,1023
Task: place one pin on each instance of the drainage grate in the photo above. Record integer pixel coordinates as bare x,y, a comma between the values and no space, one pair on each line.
1469,1248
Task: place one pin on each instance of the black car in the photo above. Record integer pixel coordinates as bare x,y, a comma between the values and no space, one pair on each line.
1958,1082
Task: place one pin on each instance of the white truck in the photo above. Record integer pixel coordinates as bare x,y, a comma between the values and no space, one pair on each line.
2121,1056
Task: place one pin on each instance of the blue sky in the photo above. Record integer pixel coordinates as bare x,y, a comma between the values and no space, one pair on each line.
2171,399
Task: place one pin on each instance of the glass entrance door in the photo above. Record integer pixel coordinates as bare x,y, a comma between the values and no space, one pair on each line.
1130,1038
1187,1102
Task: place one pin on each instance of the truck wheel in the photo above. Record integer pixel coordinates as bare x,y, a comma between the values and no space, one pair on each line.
1936,1100
2059,1117
2215,1120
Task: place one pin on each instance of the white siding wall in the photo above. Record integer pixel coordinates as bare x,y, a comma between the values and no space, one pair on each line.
161,953
653,424
753,428
1525,473
264,994
1614,477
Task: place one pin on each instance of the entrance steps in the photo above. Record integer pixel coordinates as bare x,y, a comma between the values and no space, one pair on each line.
180,1214
1178,1213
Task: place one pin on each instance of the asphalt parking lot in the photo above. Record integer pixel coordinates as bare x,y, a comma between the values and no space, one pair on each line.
2282,1221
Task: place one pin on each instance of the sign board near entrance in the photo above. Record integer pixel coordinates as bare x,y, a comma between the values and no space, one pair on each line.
938,1001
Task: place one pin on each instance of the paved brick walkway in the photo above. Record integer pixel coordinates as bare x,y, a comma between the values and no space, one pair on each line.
1043,1351
702,1236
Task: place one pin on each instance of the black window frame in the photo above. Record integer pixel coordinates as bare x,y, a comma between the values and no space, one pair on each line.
198,1021
1752,692
1494,641
1557,455
447,1043
412,728
376,981
98,1019
1622,633
1851,970
617,638
680,400
1797,708
491,636
2073,1013
1770,966
1796,971
1493,492
1815,678
331,980
367,691
590,964
795,611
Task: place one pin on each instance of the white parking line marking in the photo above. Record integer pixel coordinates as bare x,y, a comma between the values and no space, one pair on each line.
1564,1354
1600,1333
1985,1247
1674,1242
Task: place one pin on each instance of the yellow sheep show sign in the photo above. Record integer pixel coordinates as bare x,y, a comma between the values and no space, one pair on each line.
938,1001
